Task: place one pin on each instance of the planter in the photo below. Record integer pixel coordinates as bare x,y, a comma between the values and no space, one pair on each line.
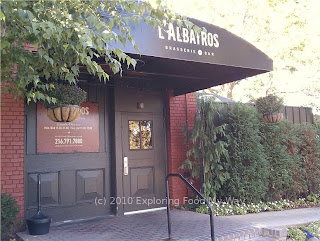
64,113
273,117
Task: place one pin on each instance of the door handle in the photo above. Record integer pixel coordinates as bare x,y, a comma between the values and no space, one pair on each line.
125,166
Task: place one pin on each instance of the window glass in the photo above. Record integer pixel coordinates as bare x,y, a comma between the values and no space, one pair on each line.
140,135
146,134
134,135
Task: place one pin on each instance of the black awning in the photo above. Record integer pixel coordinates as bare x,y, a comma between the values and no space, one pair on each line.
186,61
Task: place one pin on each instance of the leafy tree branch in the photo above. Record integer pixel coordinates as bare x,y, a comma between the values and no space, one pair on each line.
67,35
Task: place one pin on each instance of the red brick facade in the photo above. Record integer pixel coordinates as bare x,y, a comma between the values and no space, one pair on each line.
12,149
181,111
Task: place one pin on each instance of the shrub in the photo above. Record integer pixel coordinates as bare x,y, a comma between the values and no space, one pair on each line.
247,159
9,212
208,147
285,173
309,152
316,123
248,165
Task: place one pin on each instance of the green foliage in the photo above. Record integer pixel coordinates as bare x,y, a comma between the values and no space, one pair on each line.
65,94
317,124
293,154
314,228
308,148
291,61
279,142
248,165
207,145
67,35
9,212
234,207
259,161
313,198
297,234
269,104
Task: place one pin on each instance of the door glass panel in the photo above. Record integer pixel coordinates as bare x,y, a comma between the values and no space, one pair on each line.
140,135
134,135
146,134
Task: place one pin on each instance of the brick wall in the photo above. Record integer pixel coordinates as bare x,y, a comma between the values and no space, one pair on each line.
180,111
12,149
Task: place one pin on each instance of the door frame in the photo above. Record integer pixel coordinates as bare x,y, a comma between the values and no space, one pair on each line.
118,162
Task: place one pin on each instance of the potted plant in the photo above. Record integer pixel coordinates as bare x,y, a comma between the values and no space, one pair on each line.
67,105
270,106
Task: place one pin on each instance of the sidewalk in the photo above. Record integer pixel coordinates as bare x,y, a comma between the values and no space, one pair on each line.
185,226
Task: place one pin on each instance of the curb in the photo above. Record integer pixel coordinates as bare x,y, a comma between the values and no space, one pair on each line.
274,233
254,234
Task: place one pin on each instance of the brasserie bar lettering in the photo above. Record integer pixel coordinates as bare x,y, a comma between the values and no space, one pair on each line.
186,35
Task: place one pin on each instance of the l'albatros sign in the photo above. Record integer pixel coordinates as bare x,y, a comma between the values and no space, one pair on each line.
212,45
81,135
185,35
203,43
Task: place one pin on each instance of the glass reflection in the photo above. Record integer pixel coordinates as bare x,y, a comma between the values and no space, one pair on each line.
140,135
134,135
146,134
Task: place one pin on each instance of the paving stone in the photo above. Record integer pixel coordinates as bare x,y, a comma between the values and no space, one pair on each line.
185,226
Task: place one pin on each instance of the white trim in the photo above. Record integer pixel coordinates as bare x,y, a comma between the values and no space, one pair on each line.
145,211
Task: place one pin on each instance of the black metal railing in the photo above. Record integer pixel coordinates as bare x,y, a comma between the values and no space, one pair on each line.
196,192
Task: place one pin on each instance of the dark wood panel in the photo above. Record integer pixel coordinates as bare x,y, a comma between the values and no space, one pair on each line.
126,100
92,94
94,168
31,128
49,162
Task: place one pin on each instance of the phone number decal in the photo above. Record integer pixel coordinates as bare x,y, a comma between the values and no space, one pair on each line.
68,141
